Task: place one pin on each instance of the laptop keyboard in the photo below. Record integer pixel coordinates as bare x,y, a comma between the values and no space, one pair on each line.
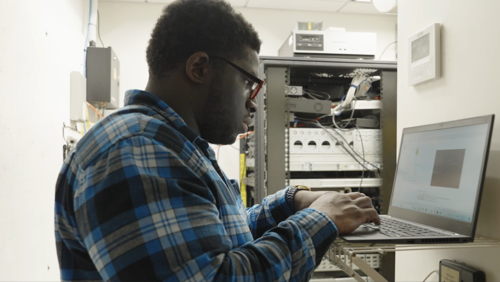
394,228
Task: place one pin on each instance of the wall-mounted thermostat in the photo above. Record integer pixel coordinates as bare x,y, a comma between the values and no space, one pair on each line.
424,54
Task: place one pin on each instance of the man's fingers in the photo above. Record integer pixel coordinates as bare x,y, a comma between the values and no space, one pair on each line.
371,215
355,195
363,202
347,211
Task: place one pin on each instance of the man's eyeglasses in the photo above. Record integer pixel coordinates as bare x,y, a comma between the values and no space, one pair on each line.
256,83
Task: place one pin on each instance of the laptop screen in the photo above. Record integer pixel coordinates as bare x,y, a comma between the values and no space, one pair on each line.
440,171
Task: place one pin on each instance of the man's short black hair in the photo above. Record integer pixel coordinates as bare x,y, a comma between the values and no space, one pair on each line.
190,26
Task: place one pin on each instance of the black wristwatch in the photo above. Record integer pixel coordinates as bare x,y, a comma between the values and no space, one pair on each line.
290,194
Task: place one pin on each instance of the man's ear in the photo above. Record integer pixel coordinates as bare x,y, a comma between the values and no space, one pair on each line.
197,67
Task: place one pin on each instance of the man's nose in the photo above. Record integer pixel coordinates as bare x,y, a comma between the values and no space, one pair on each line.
251,106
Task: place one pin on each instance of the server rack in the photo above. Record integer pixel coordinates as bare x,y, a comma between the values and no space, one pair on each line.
267,151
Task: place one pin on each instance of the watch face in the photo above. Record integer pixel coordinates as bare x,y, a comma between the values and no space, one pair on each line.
301,187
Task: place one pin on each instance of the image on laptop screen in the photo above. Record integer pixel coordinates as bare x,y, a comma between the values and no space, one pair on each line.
439,171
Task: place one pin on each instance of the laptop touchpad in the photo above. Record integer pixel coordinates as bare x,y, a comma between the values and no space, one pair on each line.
364,230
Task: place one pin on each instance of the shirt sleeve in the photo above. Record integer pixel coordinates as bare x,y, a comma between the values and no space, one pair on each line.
269,214
145,214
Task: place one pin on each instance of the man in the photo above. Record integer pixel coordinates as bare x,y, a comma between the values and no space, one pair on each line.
142,197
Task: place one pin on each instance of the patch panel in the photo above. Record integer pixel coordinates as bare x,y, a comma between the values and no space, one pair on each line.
318,141
314,149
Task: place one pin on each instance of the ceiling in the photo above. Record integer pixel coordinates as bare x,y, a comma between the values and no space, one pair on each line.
335,6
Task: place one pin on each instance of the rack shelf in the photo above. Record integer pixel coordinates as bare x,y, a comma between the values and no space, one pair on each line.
346,256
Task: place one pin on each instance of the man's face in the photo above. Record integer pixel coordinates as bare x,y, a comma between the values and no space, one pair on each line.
228,107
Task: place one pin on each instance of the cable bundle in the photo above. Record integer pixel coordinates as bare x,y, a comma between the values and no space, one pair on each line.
317,95
356,81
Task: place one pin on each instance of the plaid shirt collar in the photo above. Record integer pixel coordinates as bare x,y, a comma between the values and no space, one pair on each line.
144,98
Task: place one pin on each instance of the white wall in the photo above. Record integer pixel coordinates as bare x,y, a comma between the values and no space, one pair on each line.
470,60
127,28
40,43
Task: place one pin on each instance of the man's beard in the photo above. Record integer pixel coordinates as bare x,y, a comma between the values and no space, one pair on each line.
217,126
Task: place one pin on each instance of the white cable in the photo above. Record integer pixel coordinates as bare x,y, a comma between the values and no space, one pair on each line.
376,169
364,159
315,94
350,119
327,132
311,95
345,146
356,81
385,49
434,271
339,128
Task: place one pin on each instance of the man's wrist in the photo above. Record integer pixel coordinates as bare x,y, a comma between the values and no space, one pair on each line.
303,199
299,197
291,198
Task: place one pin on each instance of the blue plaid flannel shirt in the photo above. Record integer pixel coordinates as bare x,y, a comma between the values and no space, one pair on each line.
142,198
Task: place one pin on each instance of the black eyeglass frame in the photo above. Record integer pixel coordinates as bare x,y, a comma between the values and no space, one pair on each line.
255,79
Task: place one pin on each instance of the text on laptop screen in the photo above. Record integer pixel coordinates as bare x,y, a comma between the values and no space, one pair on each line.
439,171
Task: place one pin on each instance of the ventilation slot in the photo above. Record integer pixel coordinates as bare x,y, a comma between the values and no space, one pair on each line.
311,145
444,240
297,145
325,145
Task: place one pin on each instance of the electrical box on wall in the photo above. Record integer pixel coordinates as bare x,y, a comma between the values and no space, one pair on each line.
424,55
103,77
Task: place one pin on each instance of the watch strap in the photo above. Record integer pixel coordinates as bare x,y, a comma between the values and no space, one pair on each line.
290,195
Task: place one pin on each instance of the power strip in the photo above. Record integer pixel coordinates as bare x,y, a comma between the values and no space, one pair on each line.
373,260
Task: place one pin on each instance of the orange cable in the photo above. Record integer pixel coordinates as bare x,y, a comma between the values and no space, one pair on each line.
245,135
239,138
94,110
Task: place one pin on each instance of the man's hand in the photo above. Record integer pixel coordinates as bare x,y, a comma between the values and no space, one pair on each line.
347,211
303,198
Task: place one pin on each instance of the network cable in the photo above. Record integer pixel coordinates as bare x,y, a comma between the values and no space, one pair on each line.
317,95
374,166
362,150
317,123
348,149
377,170
356,81
352,115
354,89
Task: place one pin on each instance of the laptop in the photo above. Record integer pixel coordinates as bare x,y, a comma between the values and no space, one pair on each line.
437,185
